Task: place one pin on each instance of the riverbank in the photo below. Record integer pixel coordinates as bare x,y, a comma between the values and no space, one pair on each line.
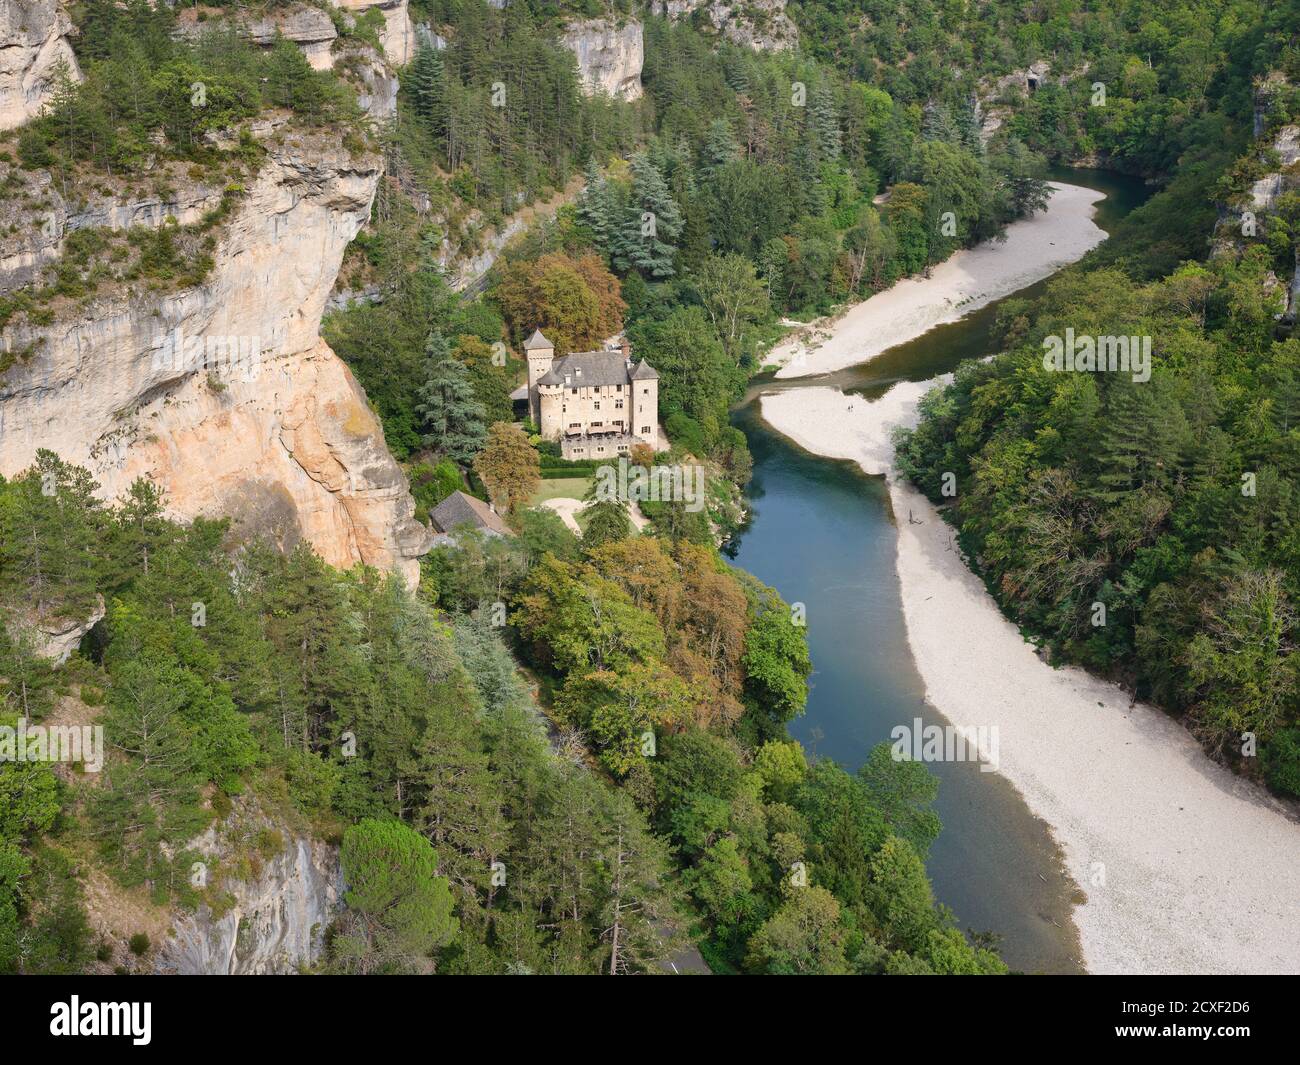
1035,248
1184,866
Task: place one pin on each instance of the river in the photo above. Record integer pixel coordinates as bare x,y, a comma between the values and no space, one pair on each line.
822,533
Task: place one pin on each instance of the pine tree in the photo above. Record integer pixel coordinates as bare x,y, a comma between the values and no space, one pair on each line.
51,530
451,417
1143,437
141,528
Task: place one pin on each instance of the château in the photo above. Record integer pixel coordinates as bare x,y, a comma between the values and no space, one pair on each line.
595,403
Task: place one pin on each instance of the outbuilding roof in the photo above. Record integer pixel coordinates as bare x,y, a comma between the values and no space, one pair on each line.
461,509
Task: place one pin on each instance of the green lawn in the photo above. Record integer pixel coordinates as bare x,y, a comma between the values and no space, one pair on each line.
560,488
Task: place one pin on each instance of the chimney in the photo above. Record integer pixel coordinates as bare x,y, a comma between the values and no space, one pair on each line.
627,348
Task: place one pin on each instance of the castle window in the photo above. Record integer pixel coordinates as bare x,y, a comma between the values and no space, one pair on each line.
645,391
575,391
618,388
596,405
645,430
618,404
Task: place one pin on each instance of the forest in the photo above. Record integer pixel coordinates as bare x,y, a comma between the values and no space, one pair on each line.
1168,509
248,701
566,753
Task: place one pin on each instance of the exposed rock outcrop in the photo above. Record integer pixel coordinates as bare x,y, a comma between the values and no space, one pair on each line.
56,638
277,916
610,55
224,393
1265,192
310,28
398,34
313,31
993,103
761,25
33,46
375,82
1242,220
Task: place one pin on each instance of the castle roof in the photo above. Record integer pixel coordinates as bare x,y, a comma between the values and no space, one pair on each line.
590,369
537,340
645,372
460,509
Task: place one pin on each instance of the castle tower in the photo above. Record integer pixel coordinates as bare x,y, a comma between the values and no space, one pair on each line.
644,381
540,354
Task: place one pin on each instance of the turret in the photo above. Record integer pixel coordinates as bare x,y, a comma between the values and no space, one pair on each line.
540,354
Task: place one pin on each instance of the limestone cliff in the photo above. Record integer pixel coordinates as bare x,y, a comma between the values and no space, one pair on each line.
222,392
312,29
55,637
33,44
1243,219
610,55
398,33
282,891
761,25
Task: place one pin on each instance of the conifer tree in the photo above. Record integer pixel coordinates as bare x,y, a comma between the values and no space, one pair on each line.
719,147
607,518
826,123
451,417
426,80
51,531
651,224
598,209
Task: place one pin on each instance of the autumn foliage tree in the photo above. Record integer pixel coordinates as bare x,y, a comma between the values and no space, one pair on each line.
509,466
576,302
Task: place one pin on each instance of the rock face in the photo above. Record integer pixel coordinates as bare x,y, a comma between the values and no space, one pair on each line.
310,28
1265,192
610,56
56,638
377,85
223,393
276,923
33,42
398,34
761,25
313,31
1241,221
992,101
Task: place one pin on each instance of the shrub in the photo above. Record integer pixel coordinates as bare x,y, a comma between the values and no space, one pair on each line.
1281,761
